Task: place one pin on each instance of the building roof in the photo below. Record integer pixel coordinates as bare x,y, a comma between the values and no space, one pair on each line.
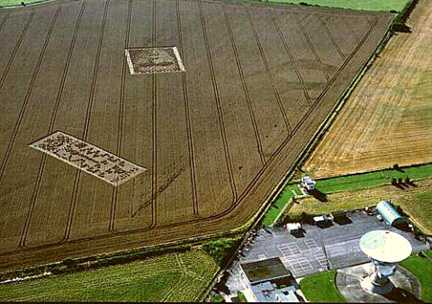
267,292
264,292
308,181
389,213
265,270
293,226
286,297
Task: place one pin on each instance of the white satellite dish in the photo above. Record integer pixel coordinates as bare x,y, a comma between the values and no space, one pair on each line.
385,246
386,249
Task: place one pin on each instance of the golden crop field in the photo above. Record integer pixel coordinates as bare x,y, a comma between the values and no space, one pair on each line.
388,118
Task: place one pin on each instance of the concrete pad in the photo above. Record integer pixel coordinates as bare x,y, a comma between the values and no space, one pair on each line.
348,281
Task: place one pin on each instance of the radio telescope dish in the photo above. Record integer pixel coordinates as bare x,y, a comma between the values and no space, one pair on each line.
385,246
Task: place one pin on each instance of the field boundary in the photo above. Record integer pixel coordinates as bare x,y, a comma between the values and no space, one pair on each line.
401,17
319,134
325,126
71,265
397,24
259,215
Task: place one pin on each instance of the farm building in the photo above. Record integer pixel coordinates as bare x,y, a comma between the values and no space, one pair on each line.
308,183
390,214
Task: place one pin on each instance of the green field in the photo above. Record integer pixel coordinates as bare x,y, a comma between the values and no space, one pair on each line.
321,287
421,267
370,5
173,277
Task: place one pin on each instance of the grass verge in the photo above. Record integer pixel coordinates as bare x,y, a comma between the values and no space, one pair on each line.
173,277
421,267
370,5
14,3
321,287
372,179
216,298
241,297
222,249
279,205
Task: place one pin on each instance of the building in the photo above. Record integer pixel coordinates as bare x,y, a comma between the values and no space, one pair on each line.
264,278
265,270
307,183
390,215
267,292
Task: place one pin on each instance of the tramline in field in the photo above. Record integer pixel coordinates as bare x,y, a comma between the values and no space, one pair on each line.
216,136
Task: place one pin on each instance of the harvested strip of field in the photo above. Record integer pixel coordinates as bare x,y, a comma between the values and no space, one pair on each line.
388,118
168,278
413,199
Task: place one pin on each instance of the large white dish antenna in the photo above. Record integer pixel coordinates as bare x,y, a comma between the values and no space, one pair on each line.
385,246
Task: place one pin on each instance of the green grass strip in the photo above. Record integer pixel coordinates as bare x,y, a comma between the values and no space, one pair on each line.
241,297
369,5
421,267
372,179
12,3
321,287
279,205
216,298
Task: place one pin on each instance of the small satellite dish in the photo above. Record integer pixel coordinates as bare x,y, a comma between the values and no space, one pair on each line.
385,246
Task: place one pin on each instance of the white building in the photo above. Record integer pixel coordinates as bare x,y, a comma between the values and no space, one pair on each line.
307,183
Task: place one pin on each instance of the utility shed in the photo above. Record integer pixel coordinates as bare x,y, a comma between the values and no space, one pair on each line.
265,270
308,183
389,214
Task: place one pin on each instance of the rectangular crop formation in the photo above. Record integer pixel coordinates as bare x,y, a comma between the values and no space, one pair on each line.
154,60
87,157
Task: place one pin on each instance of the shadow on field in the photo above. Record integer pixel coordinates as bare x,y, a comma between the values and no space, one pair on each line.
400,295
321,196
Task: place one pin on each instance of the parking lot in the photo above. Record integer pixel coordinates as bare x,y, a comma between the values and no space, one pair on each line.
320,249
